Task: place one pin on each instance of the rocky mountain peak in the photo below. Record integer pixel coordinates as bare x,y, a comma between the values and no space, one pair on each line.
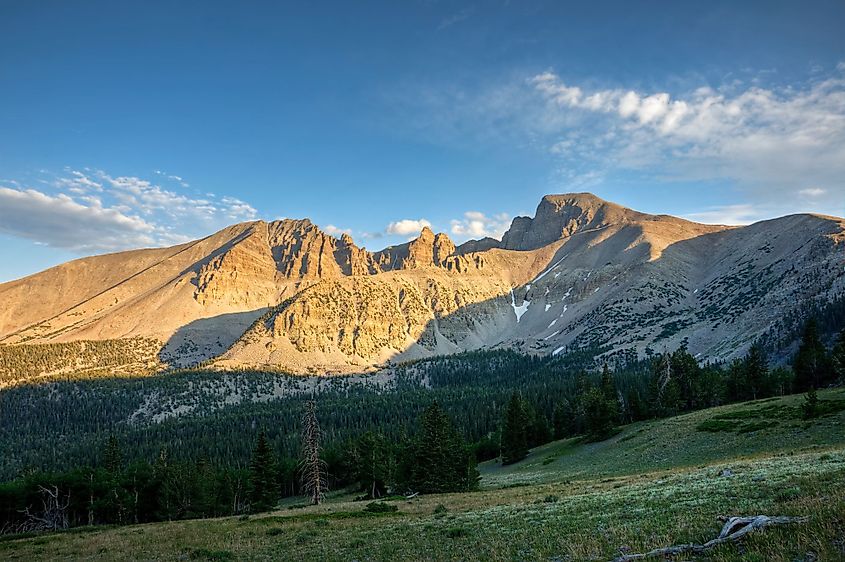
560,216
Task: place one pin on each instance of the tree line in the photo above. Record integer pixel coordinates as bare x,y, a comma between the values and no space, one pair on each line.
408,440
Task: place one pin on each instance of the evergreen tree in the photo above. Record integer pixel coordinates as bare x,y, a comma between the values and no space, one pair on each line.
262,476
441,462
515,431
756,370
372,462
780,381
562,419
810,406
811,364
115,499
599,415
837,356
686,380
608,389
539,431
112,456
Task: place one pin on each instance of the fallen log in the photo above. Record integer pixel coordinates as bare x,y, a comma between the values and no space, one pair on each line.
734,529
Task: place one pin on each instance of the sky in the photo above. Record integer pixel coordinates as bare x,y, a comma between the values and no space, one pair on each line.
138,124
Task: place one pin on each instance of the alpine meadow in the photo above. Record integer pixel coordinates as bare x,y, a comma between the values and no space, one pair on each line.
428,280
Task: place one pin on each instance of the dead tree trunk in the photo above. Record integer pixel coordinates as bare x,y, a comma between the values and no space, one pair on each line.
734,529
312,467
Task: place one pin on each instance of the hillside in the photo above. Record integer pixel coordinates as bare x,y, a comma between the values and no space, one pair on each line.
654,484
583,272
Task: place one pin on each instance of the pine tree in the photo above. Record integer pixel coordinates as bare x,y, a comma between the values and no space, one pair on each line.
312,467
562,420
599,415
811,364
837,356
112,456
371,463
756,368
515,431
441,460
264,491
810,406
608,389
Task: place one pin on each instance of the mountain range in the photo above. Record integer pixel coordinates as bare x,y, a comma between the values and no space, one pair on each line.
583,272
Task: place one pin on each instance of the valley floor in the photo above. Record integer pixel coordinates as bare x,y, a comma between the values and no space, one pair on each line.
654,484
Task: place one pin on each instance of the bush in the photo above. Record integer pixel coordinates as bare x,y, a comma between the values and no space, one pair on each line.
380,507
456,532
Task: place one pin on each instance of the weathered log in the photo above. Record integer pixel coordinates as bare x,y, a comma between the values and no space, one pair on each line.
734,529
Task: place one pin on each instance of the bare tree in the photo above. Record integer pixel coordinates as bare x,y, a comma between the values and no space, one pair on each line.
53,515
665,376
312,467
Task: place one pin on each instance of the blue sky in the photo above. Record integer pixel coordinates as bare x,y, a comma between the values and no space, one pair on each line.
149,123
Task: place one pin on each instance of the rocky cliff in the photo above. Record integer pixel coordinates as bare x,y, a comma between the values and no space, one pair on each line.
582,271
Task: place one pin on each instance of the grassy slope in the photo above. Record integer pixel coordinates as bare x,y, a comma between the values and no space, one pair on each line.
652,485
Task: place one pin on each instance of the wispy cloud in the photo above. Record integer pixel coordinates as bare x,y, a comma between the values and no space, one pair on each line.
782,143
770,141
92,210
455,18
728,214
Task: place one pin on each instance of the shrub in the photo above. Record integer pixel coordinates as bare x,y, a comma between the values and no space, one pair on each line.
380,507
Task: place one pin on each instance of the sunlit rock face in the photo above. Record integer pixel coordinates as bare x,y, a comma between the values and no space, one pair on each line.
581,272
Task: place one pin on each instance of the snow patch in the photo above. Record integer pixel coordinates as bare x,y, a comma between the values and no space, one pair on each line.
550,336
548,306
558,350
521,309
552,324
548,270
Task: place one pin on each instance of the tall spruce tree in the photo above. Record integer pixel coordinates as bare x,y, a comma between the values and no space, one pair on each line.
599,413
562,420
441,460
811,364
756,370
608,389
112,456
515,431
837,356
264,490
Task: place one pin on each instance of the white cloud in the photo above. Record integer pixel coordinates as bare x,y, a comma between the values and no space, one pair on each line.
406,227
335,231
237,209
61,222
91,210
475,224
812,192
768,142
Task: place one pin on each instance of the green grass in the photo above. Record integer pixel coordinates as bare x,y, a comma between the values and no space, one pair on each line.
654,484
